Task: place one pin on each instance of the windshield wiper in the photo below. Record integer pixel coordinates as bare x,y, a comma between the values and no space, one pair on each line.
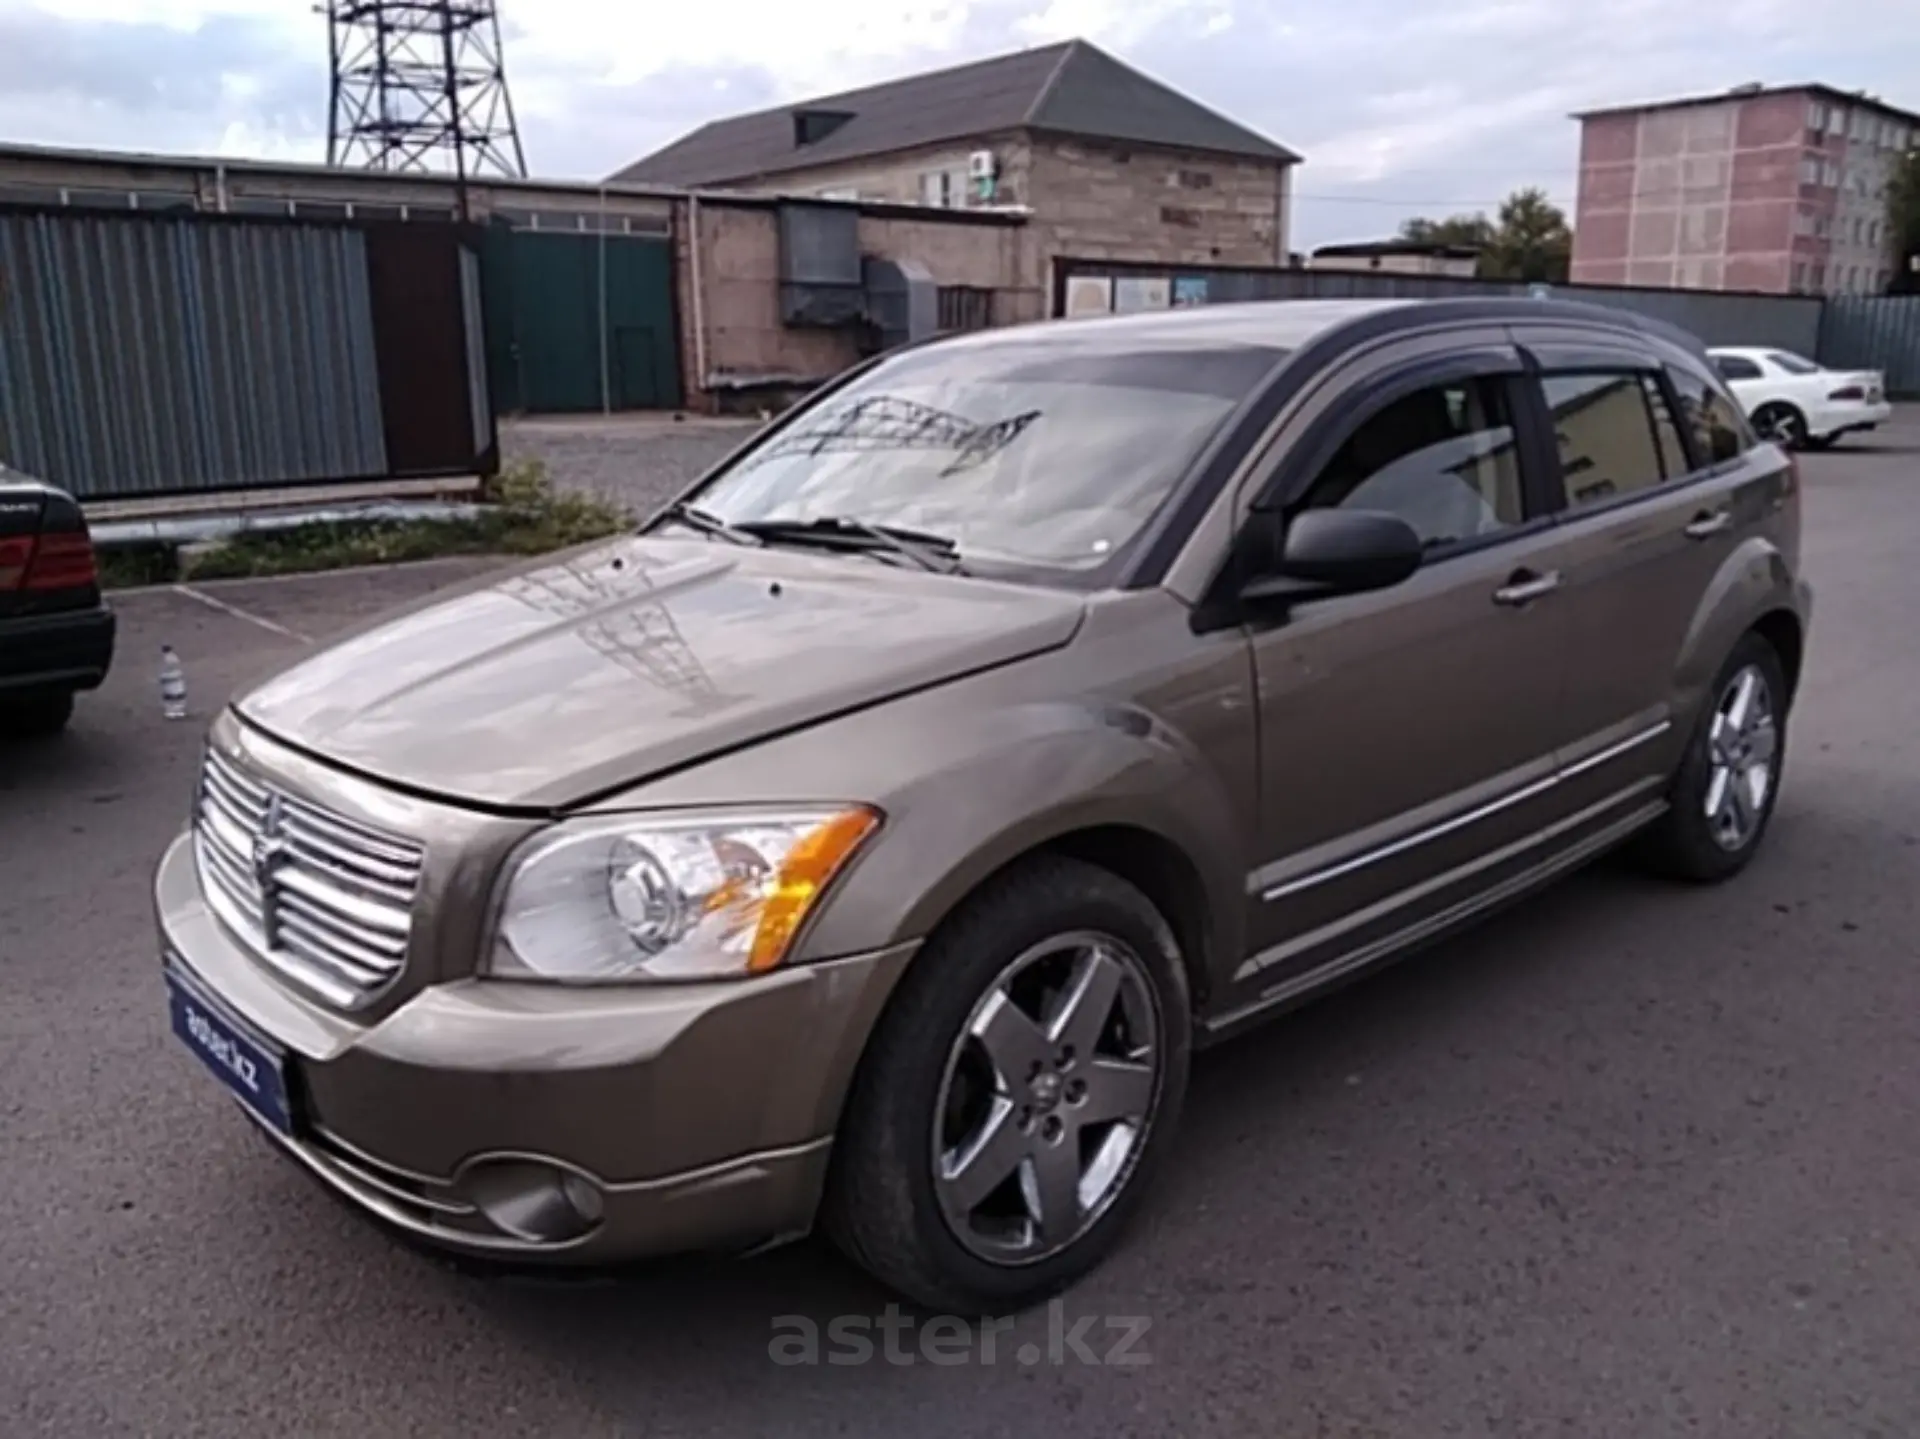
708,524
929,552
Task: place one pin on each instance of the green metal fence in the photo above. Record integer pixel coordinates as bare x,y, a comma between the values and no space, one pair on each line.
580,323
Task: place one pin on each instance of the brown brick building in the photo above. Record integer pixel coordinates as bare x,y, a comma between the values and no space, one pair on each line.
1105,162
1780,190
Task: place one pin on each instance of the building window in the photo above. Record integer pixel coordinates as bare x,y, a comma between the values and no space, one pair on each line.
1176,215
1830,175
1836,121
1799,277
427,212
29,195
1194,179
936,188
161,202
964,307
1873,233
1810,170
1816,116
359,211
259,205
319,210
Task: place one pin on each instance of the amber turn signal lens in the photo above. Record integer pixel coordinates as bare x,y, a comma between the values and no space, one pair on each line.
809,868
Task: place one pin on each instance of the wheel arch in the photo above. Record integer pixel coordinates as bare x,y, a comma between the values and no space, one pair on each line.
1753,591
1784,630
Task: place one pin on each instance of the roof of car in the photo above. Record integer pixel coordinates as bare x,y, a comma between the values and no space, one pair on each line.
1290,324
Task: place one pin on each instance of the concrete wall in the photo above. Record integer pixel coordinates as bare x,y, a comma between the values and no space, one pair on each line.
144,182
1455,268
729,295
899,178
1091,200
1103,202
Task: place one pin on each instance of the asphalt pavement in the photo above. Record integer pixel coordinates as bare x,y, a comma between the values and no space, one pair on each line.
1630,1160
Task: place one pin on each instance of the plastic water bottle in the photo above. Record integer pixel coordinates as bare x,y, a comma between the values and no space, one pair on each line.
173,685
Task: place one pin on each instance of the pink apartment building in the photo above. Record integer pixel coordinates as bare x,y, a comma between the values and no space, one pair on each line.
1781,190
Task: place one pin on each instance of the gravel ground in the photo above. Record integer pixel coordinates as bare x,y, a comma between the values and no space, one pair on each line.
639,462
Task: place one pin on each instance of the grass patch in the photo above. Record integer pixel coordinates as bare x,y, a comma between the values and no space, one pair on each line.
145,562
524,516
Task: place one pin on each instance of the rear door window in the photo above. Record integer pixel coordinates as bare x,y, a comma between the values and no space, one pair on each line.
1608,437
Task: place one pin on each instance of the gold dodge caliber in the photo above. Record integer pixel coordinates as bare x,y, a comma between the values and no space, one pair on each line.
870,840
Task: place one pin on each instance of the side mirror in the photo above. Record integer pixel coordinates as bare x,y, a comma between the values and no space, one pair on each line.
1334,552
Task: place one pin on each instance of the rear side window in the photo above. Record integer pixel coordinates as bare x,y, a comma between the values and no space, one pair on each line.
1793,364
1720,432
1736,367
1605,426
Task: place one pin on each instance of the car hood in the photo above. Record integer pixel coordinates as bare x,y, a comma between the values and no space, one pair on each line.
565,679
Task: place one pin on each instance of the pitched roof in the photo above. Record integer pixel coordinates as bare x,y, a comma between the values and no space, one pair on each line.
1072,88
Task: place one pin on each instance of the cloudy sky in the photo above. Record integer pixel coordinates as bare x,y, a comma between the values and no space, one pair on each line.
1401,106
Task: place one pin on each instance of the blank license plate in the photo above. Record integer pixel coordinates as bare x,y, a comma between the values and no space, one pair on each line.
254,1070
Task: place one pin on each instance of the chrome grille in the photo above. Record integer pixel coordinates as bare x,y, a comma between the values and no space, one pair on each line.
324,900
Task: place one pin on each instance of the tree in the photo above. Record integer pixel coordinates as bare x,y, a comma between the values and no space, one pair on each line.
1473,231
1530,241
1903,222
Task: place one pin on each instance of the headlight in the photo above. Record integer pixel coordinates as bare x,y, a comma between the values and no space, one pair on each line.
688,896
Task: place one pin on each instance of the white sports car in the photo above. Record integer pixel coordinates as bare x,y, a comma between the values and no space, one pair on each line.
1797,404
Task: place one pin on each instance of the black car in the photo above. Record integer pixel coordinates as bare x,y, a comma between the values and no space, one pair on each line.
56,632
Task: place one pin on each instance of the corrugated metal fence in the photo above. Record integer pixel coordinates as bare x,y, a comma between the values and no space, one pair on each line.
1875,332
1790,322
149,355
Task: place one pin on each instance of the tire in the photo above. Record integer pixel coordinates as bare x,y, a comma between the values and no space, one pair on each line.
1690,843
929,1086
1784,424
1821,442
36,716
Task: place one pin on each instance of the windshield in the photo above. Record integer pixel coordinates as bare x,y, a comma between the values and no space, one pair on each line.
1793,364
1023,452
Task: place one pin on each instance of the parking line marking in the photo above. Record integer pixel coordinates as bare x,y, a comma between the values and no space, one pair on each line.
266,624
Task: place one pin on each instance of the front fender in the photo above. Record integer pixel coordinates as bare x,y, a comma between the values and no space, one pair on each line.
1029,778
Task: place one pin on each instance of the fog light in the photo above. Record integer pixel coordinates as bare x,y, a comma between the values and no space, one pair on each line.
540,1203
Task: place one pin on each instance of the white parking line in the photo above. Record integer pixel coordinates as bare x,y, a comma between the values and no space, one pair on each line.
266,624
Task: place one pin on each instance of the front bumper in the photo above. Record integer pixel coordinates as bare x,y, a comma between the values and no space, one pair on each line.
63,650
697,1116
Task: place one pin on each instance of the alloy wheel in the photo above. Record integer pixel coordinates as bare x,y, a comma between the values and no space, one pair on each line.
1741,748
1782,425
1046,1098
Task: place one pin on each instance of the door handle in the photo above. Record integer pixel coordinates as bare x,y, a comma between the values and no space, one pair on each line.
1708,524
1526,587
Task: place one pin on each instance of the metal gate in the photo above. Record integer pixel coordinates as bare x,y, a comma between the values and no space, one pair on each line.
580,323
173,354
1875,332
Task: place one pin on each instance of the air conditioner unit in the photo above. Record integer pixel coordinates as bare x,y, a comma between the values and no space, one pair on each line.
980,165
